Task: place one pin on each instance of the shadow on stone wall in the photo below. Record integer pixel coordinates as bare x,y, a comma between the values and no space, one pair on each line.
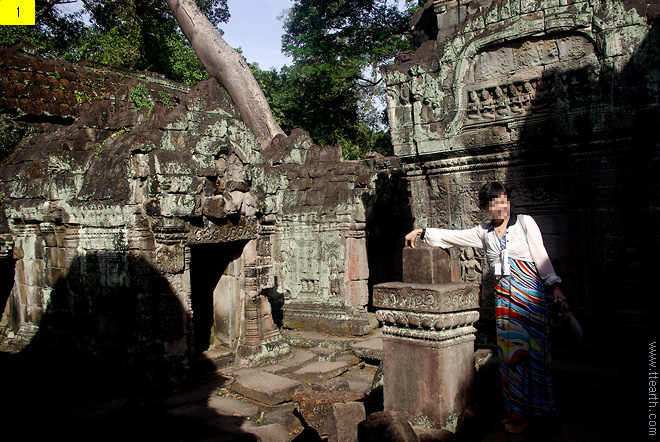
7,269
276,300
594,191
595,184
390,221
101,365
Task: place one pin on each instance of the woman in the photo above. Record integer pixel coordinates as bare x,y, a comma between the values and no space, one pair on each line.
516,254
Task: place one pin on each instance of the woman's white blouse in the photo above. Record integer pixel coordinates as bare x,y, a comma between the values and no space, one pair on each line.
520,246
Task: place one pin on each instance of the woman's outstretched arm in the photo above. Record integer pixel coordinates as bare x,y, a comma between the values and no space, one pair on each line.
446,238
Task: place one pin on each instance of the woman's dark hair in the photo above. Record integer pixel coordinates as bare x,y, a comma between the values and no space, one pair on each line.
489,192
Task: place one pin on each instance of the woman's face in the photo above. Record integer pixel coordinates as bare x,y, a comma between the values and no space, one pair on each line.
499,208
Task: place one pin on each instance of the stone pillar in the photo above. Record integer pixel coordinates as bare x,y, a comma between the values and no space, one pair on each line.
428,345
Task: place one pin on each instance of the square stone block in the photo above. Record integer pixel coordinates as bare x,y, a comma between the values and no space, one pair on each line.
426,265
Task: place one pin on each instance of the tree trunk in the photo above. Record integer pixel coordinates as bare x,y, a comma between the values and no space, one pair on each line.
229,68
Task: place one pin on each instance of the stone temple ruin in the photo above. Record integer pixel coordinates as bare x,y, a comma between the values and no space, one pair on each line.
142,222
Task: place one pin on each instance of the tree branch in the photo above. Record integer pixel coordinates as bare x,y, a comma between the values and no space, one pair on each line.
229,68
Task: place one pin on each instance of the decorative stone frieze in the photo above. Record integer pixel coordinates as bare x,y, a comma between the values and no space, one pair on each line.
213,233
426,321
436,298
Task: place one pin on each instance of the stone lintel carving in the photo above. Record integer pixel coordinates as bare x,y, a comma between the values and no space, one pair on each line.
430,298
214,233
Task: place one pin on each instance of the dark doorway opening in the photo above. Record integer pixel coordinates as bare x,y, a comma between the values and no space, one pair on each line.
208,264
7,269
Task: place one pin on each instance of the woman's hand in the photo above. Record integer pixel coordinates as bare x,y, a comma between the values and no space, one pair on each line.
558,294
411,238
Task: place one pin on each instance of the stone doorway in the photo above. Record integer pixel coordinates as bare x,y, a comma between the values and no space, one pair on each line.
215,295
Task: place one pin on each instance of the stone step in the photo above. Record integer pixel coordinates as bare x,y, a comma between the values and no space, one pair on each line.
328,353
233,407
320,371
219,358
370,350
310,340
266,433
298,359
264,387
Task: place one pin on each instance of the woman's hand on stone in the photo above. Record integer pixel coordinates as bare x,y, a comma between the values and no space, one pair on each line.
411,238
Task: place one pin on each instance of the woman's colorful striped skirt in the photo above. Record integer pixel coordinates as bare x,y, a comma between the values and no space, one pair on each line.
523,342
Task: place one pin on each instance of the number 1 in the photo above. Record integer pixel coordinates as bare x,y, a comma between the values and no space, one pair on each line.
19,11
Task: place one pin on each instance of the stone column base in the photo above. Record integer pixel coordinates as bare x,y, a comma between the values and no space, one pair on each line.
428,376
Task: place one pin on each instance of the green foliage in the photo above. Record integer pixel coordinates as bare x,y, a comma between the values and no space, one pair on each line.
155,42
180,63
333,90
141,98
10,134
53,33
131,34
168,100
345,34
330,114
117,47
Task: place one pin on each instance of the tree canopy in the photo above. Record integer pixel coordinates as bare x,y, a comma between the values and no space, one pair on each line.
132,34
333,88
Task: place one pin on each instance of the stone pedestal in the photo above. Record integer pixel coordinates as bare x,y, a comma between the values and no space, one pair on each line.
428,349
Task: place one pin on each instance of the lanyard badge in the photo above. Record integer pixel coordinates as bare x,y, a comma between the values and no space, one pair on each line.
503,268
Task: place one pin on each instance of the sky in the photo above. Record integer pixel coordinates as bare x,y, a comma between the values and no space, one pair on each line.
254,28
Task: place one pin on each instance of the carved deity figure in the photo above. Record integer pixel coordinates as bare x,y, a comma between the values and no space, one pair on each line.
516,103
487,104
471,267
502,102
474,106
527,94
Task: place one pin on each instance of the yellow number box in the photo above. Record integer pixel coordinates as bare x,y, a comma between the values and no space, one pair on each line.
17,12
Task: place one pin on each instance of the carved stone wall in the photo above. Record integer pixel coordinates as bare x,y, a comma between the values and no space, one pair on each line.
323,212
558,100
